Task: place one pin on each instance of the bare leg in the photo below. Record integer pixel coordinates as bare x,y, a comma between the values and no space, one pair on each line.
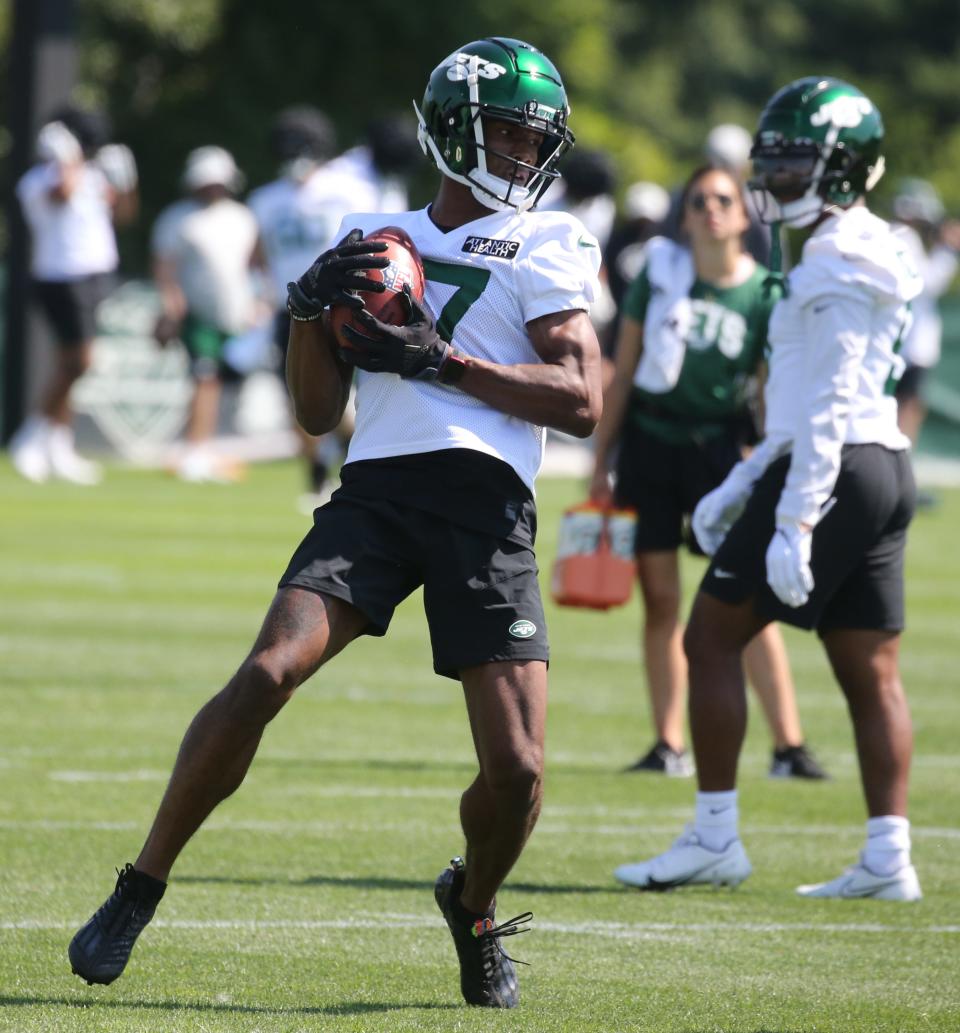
69,366
665,664
716,636
204,410
302,630
865,664
768,671
507,704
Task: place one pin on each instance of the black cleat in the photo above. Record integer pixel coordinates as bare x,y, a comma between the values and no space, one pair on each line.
795,762
101,949
488,977
663,759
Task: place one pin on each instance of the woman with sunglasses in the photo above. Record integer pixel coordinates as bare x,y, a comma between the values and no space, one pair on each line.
691,340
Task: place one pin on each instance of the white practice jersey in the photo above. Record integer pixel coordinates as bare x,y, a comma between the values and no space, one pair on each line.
298,220
211,245
72,238
485,281
833,363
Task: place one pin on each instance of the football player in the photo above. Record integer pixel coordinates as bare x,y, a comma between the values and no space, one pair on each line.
811,528
80,188
437,489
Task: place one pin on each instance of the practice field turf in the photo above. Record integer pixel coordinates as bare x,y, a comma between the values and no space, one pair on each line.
306,903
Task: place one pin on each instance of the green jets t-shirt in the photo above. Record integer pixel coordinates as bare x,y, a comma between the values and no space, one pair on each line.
724,347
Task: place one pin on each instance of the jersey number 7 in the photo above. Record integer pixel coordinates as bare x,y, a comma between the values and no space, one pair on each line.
470,284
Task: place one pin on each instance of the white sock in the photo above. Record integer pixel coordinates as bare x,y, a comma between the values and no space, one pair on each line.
35,428
716,819
888,844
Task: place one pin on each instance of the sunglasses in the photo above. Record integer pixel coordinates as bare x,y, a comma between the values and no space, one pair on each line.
698,202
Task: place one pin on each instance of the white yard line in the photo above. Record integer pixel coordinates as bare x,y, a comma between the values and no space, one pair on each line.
609,930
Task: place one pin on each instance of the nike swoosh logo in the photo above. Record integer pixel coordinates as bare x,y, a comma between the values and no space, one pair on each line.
817,309
660,887
585,243
850,892
717,572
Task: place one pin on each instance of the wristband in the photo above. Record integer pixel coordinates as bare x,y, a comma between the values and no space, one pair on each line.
453,368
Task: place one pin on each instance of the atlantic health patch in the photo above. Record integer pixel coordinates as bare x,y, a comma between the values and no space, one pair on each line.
493,248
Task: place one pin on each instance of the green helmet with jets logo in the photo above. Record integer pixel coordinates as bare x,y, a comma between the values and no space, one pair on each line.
503,79
817,146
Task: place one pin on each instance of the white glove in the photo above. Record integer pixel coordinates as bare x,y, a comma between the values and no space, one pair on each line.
117,163
716,513
56,143
788,564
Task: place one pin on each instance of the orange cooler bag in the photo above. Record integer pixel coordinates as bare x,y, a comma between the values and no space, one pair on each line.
595,567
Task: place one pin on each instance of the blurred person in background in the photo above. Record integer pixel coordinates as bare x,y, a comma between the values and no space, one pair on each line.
203,248
81,186
645,206
693,331
384,160
727,145
586,191
932,243
297,214
811,528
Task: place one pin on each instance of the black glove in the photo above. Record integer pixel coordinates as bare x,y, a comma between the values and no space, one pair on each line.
415,350
335,275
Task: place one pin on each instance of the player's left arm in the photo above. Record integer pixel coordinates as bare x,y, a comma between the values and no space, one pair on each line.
563,391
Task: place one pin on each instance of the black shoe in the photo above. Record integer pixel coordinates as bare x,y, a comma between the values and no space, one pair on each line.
664,760
795,762
101,949
487,974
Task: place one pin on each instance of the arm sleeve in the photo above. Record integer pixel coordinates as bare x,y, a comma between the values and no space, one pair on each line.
560,274
837,327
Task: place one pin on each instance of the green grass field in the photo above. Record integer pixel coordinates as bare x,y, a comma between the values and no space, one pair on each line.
306,902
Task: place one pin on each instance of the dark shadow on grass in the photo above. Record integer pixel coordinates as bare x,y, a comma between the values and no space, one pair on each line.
376,882
345,1008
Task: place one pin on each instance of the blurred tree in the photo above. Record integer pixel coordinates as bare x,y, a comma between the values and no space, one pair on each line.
646,81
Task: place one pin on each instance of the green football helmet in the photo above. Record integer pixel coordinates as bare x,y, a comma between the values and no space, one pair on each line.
502,79
817,146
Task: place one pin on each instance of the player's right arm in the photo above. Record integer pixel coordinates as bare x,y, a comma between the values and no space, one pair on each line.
319,381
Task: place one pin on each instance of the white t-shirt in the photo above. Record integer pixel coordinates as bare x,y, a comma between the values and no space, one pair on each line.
297,220
485,281
211,245
833,360
72,238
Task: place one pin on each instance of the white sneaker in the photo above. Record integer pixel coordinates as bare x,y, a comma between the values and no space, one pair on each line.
687,863
66,464
28,450
859,882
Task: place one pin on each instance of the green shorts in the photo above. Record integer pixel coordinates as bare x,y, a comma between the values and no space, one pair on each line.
204,343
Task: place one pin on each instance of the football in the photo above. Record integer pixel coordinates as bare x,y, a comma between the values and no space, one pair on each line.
389,306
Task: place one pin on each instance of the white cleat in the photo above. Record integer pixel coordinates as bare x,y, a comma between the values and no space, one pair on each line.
66,464
31,461
858,882
687,863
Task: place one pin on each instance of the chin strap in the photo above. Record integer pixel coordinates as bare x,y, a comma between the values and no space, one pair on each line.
775,285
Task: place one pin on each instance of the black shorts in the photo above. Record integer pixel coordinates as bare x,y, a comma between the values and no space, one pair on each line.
480,592
664,482
858,546
71,306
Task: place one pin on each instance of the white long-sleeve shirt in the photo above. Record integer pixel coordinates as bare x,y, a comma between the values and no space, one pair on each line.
834,340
